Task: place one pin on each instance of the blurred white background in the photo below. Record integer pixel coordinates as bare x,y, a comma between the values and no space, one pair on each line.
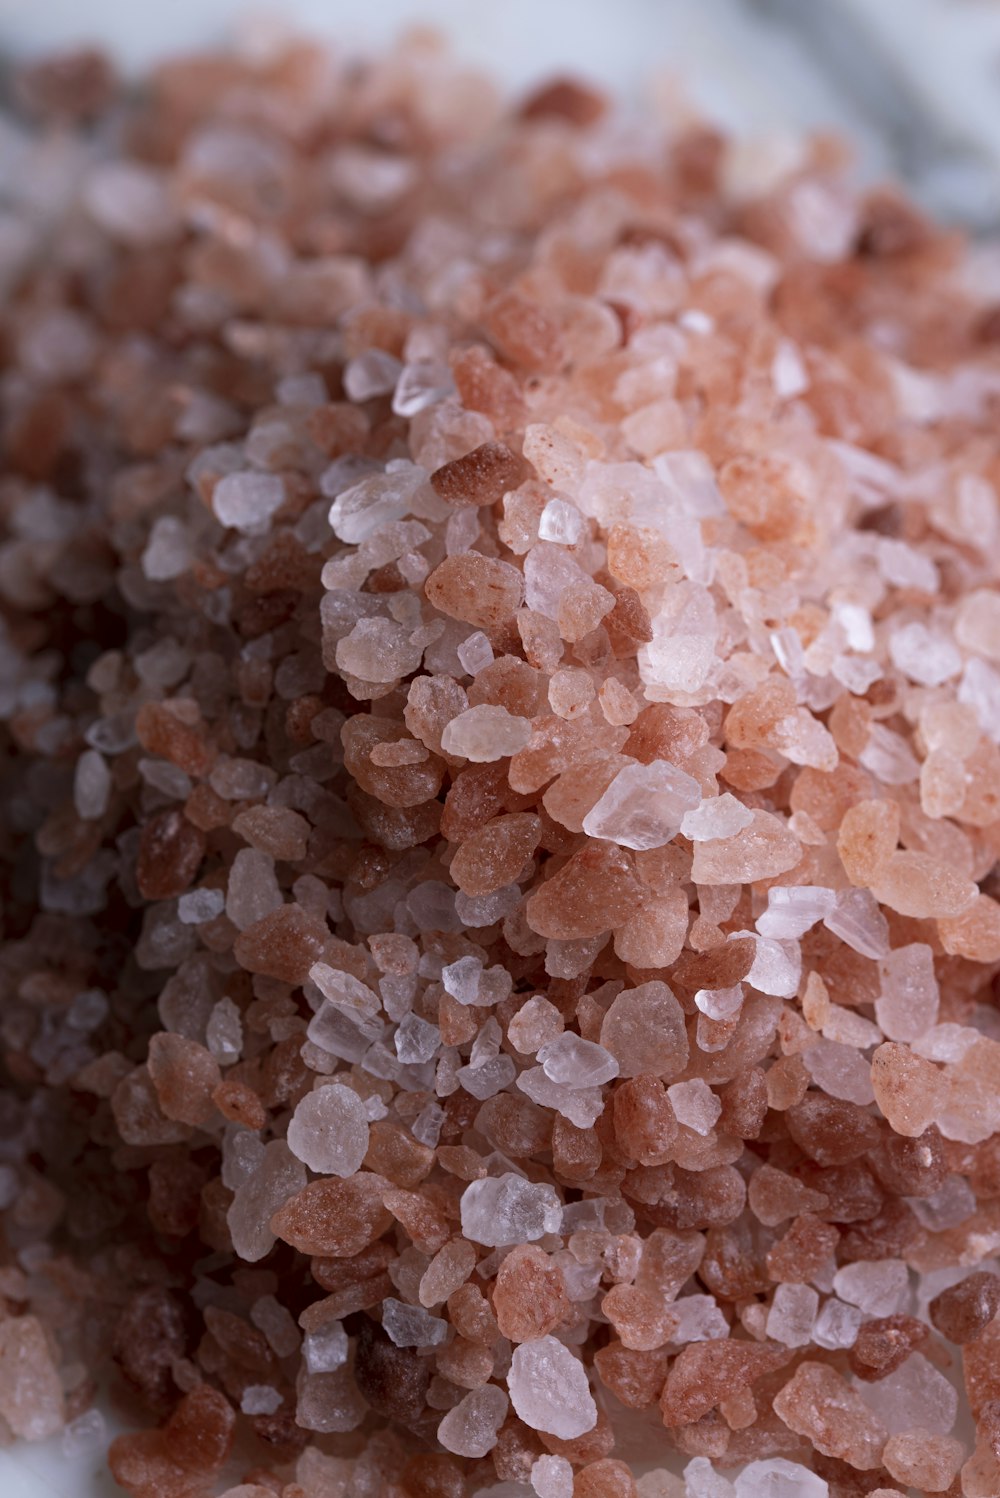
916,83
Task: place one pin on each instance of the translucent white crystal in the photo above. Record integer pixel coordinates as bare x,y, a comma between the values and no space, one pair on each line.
224,1031
485,733
953,1204
470,983
915,1397
329,1130
858,920
840,1070
253,890
378,650
889,757
644,805
878,1286
85,1437
260,1399
475,653
570,1059
716,816
369,374
326,1348
583,1106
416,1040
720,1003
411,1326
908,1004
278,1325
695,1105
507,1209
561,522
246,501
837,1324
278,1176
377,500
200,905
552,1477
470,1429
792,910
697,1318
792,1315
549,1389
91,785
701,1480
924,655
488,1078
778,1478
777,965
682,651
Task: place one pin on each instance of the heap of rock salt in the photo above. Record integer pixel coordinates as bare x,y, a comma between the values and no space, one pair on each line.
500,639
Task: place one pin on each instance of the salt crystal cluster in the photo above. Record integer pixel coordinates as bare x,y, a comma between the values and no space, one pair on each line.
500,677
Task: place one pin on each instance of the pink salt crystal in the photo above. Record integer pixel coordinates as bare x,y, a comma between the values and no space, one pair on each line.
916,1396
817,1403
977,624
131,203
917,884
378,650
31,1396
922,1460
840,1071
485,733
762,850
644,1031
909,1090
908,1003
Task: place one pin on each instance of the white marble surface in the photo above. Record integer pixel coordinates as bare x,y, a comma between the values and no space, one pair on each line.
916,82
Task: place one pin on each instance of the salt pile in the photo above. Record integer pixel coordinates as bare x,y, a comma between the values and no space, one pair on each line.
500,639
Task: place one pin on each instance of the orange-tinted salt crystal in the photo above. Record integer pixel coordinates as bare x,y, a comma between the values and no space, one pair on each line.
576,1153
867,839
276,830
883,1345
479,590
394,1153
830,1130
786,1081
820,1405
481,477
644,1030
909,1090
703,1373
495,854
975,934
282,945
774,1196
471,1316
524,332
336,1217
923,1460
594,890
468,1365
917,884
963,1311
759,492
172,730
529,1296
395,785
170,851
185,1076
653,935
636,1378
804,1250
763,850
604,1479
645,1125
483,385
238,1103
423,1222
641,1319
